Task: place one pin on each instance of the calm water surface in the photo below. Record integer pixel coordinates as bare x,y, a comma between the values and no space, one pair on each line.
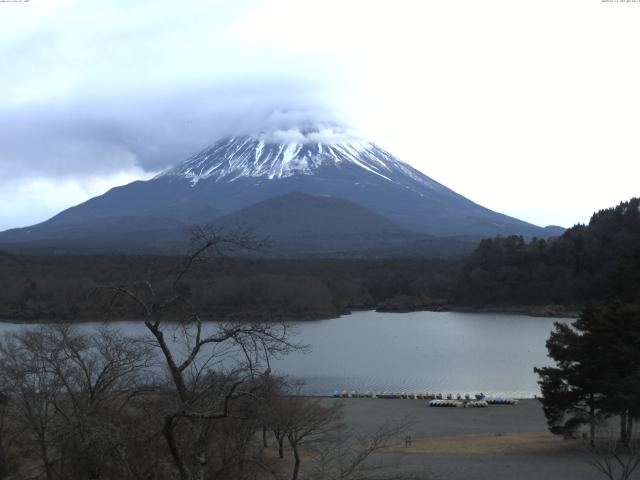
419,351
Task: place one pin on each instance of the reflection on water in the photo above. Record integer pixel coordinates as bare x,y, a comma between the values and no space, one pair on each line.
419,351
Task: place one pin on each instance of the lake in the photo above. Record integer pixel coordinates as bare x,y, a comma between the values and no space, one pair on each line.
446,352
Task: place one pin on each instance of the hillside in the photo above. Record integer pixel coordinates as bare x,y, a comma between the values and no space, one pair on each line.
587,263
300,215
234,173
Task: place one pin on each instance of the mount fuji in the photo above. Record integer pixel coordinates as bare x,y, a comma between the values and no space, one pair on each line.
328,184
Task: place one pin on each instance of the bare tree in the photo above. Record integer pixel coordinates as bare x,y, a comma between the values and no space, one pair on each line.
308,421
101,373
273,389
33,393
6,464
97,369
314,429
188,400
301,421
276,417
66,391
613,459
209,366
348,455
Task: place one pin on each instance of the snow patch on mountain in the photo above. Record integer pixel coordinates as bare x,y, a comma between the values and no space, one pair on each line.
284,153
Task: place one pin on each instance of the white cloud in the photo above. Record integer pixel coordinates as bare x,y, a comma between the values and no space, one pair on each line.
529,108
33,200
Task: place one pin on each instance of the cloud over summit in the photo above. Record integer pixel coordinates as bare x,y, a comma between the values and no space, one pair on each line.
95,93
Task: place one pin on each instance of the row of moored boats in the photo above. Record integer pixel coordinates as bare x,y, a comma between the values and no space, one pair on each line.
436,399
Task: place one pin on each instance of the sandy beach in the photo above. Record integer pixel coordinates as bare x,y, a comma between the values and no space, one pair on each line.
500,441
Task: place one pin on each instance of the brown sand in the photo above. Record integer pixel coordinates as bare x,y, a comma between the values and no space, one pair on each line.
508,444
497,442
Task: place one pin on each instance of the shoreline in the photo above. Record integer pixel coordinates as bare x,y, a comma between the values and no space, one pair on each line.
547,311
518,399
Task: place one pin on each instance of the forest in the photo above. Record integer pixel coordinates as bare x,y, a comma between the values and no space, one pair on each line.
588,263
72,288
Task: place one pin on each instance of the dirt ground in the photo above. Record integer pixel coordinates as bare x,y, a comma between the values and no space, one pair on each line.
500,441
497,444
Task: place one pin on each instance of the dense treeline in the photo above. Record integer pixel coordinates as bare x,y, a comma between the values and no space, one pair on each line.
69,287
588,263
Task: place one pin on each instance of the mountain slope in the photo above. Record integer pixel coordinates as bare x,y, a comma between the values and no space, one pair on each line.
236,172
298,214
301,225
126,233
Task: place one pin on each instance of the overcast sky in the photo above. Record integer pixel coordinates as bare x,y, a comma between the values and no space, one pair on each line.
531,108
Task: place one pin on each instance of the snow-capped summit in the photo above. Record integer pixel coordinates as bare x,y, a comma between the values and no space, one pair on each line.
283,154
357,180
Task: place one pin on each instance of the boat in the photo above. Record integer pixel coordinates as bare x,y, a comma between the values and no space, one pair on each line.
445,403
501,401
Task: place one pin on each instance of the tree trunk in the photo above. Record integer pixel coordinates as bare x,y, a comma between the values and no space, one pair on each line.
624,438
45,459
167,431
201,458
280,447
592,421
629,426
296,456
265,444
175,372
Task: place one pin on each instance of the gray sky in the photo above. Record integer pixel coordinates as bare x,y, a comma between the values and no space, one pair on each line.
529,108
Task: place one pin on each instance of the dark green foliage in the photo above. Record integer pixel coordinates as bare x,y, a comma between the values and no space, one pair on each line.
66,287
597,372
597,262
571,390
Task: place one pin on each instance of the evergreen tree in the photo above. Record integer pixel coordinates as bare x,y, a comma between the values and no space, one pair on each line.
618,328
598,262
570,390
597,372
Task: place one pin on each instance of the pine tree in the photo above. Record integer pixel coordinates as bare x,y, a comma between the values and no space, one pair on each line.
597,372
